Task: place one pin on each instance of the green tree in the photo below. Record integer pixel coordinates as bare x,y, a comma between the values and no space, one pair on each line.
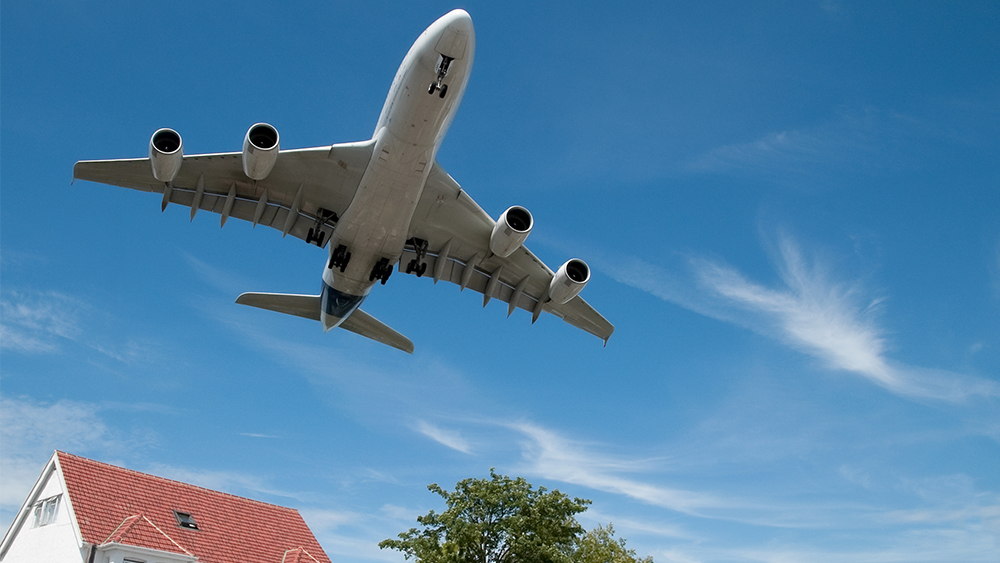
600,546
495,520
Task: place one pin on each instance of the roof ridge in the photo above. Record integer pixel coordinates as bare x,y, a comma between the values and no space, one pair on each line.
127,523
83,459
301,550
130,522
157,528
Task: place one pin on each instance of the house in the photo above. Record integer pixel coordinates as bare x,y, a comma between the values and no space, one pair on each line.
85,511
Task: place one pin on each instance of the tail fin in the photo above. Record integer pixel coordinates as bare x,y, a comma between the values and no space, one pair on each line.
307,306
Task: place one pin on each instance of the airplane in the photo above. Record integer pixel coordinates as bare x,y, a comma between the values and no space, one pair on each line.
374,205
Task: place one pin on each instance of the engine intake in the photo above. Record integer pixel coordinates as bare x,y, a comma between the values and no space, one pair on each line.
260,151
510,231
166,154
569,281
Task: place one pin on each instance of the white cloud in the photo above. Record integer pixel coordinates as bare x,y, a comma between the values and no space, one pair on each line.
554,457
34,323
449,438
862,139
30,431
232,482
809,311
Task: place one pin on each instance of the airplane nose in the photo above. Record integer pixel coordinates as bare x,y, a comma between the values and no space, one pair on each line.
459,20
455,35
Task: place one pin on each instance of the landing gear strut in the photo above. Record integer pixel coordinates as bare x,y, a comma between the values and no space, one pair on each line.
417,264
339,258
381,271
444,63
316,234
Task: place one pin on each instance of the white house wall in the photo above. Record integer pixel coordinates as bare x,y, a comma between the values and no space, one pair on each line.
52,542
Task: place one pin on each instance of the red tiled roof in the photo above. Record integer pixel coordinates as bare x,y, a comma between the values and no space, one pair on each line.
119,505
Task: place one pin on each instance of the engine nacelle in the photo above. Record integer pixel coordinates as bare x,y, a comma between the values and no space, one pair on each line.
510,231
260,151
166,154
569,281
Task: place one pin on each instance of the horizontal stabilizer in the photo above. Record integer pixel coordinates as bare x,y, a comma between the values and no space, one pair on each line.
368,326
305,306
308,307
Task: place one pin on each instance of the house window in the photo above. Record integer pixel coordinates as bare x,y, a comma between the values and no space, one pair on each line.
185,520
46,511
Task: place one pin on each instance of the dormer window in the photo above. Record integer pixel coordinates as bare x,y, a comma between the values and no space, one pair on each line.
185,520
46,511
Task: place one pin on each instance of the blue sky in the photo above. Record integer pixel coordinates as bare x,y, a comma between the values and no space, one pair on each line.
792,211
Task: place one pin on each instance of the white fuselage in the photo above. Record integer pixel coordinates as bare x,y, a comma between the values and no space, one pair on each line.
409,131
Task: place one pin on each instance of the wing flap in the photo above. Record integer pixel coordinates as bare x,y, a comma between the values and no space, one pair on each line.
576,311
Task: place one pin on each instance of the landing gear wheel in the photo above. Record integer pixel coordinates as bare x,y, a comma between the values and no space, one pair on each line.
339,258
422,269
444,90
432,87
380,271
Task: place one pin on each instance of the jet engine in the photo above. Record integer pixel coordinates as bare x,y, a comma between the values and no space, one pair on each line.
166,153
260,151
510,231
569,281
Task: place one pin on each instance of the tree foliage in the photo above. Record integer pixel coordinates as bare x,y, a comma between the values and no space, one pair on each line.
600,546
495,520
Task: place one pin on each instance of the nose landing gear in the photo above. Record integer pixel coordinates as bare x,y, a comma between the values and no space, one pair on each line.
444,63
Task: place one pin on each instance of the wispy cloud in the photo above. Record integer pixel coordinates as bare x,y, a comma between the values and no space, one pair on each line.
225,281
848,137
36,322
30,431
449,438
233,482
809,310
551,456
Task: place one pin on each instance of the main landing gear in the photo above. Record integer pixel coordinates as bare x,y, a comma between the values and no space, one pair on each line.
381,271
339,258
444,63
316,235
417,264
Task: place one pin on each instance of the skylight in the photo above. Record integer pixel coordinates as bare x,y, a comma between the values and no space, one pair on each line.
185,520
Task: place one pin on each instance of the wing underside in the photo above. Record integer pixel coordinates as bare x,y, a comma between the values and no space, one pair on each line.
307,191
303,196
452,232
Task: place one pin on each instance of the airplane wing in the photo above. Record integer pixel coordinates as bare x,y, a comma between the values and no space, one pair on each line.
304,195
458,231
